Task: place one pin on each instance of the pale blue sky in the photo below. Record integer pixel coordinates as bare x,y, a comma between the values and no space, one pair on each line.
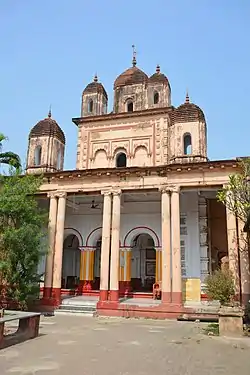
50,50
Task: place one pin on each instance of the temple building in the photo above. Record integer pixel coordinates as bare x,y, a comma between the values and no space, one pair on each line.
140,208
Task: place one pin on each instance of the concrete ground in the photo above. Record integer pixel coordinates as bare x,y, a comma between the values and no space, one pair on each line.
80,345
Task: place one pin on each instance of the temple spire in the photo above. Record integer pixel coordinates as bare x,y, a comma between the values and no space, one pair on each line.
95,78
49,114
134,62
187,97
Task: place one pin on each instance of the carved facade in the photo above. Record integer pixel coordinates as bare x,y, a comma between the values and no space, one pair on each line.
143,129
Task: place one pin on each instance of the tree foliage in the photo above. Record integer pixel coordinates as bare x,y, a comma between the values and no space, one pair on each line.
22,232
236,194
8,157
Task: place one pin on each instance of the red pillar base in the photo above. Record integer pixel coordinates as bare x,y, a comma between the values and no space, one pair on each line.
47,291
56,296
177,298
103,296
166,297
114,295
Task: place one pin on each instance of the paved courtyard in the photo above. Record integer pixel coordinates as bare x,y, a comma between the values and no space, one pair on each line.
80,345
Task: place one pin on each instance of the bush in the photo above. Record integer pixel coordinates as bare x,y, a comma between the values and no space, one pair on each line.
220,286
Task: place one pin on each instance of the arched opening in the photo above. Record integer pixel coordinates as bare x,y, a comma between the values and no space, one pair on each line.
90,106
105,108
58,161
156,98
97,264
130,106
143,263
38,155
187,141
121,160
71,262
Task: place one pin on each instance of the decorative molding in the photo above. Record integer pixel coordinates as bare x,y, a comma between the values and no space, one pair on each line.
52,194
169,189
106,192
61,194
174,188
117,192
164,189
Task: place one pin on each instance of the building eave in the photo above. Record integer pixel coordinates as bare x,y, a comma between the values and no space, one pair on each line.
161,170
124,115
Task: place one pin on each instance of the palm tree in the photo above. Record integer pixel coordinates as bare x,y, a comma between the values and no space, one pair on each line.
8,157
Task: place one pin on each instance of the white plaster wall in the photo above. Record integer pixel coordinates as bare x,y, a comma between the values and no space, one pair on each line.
189,207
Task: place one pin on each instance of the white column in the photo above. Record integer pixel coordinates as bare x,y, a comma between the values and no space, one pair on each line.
57,272
105,248
115,247
51,242
166,244
176,250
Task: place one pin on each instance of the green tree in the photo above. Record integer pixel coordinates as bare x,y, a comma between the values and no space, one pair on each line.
22,232
8,157
236,194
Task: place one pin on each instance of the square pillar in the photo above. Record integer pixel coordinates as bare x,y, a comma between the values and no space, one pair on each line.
47,291
58,255
158,265
115,246
232,242
105,248
176,250
125,270
86,269
166,245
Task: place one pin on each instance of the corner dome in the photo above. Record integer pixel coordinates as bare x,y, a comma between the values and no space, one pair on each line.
131,76
158,77
95,87
47,128
188,112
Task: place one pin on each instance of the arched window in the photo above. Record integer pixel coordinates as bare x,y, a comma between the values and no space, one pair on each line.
121,160
38,155
90,106
187,141
130,106
156,98
58,161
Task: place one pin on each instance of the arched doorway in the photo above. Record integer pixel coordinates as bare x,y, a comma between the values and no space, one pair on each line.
143,263
71,262
97,264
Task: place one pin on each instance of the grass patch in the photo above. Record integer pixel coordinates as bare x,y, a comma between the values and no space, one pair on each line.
212,329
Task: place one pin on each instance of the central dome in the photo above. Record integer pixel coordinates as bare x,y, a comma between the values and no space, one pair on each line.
131,76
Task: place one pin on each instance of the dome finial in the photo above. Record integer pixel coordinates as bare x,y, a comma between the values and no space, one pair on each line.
134,62
95,78
158,69
187,97
49,114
